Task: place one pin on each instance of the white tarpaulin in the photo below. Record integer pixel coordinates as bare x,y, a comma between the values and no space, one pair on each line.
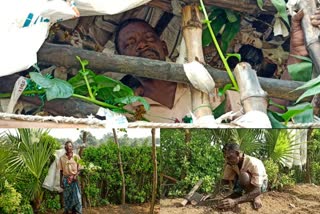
25,25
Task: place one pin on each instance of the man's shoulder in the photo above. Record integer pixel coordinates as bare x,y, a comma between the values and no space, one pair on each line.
252,160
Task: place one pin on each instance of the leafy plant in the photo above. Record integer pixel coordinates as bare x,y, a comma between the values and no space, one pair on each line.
86,85
30,151
10,199
231,23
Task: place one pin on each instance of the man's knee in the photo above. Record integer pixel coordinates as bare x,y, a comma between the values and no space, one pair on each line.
244,180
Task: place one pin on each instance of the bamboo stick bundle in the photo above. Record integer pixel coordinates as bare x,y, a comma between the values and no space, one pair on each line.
253,98
192,33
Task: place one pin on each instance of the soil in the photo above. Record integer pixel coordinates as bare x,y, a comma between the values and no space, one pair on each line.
300,199
120,209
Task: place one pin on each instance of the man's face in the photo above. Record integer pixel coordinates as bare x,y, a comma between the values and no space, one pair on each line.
69,147
139,39
232,157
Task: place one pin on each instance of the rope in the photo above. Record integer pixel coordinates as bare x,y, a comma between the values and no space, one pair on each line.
94,122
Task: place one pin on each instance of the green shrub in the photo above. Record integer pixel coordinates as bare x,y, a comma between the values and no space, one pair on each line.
315,172
276,178
102,175
189,162
9,199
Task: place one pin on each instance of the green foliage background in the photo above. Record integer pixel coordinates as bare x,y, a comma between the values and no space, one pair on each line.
103,180
189,162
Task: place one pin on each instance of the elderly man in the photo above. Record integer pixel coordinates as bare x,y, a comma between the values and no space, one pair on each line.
169,101
248,175
69,171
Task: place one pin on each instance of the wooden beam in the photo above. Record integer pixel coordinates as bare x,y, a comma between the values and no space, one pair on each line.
39,124
244,6
64,55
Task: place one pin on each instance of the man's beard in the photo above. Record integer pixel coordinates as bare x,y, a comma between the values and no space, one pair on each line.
150,54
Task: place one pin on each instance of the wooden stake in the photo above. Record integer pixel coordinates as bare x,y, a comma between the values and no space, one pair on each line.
251,94
155,175
123,196
190,194
192,33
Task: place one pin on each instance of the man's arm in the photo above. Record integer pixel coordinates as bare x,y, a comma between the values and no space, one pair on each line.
247,197
297,47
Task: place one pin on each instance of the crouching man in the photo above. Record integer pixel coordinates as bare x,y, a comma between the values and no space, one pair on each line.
248,176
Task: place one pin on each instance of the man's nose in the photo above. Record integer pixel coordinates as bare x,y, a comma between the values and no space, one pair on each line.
142,45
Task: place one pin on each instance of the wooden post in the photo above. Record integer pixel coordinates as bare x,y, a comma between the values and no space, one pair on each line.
190,194
251,94
155,174
192,33
82,183
123,196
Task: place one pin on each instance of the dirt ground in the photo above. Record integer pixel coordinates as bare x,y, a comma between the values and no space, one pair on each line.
300,199
120,209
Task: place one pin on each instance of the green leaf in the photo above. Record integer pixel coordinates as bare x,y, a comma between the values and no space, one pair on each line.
295,110
300,71
274,122
277,105
311,91
230,31
78,80
41,80
216,25
238,56
60,89
306,116
225,88
231,16
260,4
280,5
304,58
309,84
132,99
55,88
220,109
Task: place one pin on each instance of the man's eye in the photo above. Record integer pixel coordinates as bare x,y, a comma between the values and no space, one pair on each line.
130,43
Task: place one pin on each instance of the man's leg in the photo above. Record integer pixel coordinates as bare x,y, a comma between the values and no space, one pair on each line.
244,181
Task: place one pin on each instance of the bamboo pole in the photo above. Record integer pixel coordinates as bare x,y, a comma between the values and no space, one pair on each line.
123,195
251,94
64,55
192,33
155,174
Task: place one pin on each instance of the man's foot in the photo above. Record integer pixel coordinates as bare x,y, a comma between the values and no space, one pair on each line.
257,203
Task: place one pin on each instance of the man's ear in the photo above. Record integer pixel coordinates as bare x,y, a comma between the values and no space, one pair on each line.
165,48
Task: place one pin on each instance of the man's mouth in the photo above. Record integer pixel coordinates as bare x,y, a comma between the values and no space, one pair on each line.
150,54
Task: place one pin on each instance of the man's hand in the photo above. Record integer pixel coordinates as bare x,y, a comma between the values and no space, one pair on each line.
297,46
227,203
315,19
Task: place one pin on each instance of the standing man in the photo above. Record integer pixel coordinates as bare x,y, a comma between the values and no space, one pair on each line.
247,174
69,171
